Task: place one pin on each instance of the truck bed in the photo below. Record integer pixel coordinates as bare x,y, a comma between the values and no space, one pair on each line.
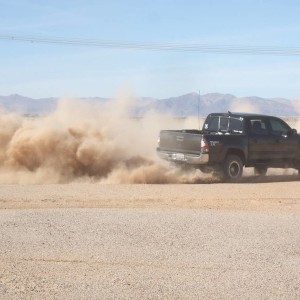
181,141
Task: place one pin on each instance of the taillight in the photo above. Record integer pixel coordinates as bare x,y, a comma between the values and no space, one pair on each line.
204,145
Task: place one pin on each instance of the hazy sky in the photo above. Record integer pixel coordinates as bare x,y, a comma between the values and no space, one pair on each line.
42,70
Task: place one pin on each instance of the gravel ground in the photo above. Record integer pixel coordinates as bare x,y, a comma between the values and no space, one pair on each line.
210,241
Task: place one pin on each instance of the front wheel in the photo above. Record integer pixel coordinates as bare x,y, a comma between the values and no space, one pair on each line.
233,168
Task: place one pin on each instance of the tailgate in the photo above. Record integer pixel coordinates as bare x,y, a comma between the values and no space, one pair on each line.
180,141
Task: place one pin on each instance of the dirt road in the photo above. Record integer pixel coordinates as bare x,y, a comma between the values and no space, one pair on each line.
96,241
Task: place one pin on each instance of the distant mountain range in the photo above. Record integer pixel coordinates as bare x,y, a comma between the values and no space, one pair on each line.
182,106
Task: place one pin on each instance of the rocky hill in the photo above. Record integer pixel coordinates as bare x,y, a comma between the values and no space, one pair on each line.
181,106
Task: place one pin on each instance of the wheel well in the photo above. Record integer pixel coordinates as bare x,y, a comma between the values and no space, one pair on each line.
237,152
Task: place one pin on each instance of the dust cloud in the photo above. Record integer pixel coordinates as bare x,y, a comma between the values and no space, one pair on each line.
243,106
296,122
87,142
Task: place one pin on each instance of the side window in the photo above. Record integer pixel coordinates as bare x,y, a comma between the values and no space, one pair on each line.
258,126
235,125
223,124
278,127
212,124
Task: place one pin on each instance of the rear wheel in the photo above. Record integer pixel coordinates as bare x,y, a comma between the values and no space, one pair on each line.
260,171
233,168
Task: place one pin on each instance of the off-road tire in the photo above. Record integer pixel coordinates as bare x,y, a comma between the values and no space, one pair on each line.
233,168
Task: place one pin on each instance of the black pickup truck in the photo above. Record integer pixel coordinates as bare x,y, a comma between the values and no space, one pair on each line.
230,141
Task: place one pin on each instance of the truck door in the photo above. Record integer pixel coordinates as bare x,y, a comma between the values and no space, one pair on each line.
285,144
260,140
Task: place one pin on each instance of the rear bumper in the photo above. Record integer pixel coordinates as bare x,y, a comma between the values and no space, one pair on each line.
185,158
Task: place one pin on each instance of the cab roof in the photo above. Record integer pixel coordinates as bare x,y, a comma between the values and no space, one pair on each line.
239,114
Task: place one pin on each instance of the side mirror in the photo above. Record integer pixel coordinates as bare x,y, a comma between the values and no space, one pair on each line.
293,131
290,133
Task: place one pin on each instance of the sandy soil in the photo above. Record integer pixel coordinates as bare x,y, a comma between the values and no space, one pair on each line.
277,192
74,223
102,241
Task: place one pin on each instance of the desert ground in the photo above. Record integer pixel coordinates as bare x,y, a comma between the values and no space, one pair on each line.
88,212
151,241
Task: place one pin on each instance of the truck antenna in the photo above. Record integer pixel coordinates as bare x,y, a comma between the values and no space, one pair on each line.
199,110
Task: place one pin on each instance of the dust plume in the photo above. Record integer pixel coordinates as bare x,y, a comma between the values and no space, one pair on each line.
243,106
86,142
296,123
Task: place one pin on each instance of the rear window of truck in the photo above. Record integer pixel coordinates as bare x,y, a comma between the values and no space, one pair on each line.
223,124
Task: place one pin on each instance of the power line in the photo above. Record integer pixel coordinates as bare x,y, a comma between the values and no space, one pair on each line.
178,47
